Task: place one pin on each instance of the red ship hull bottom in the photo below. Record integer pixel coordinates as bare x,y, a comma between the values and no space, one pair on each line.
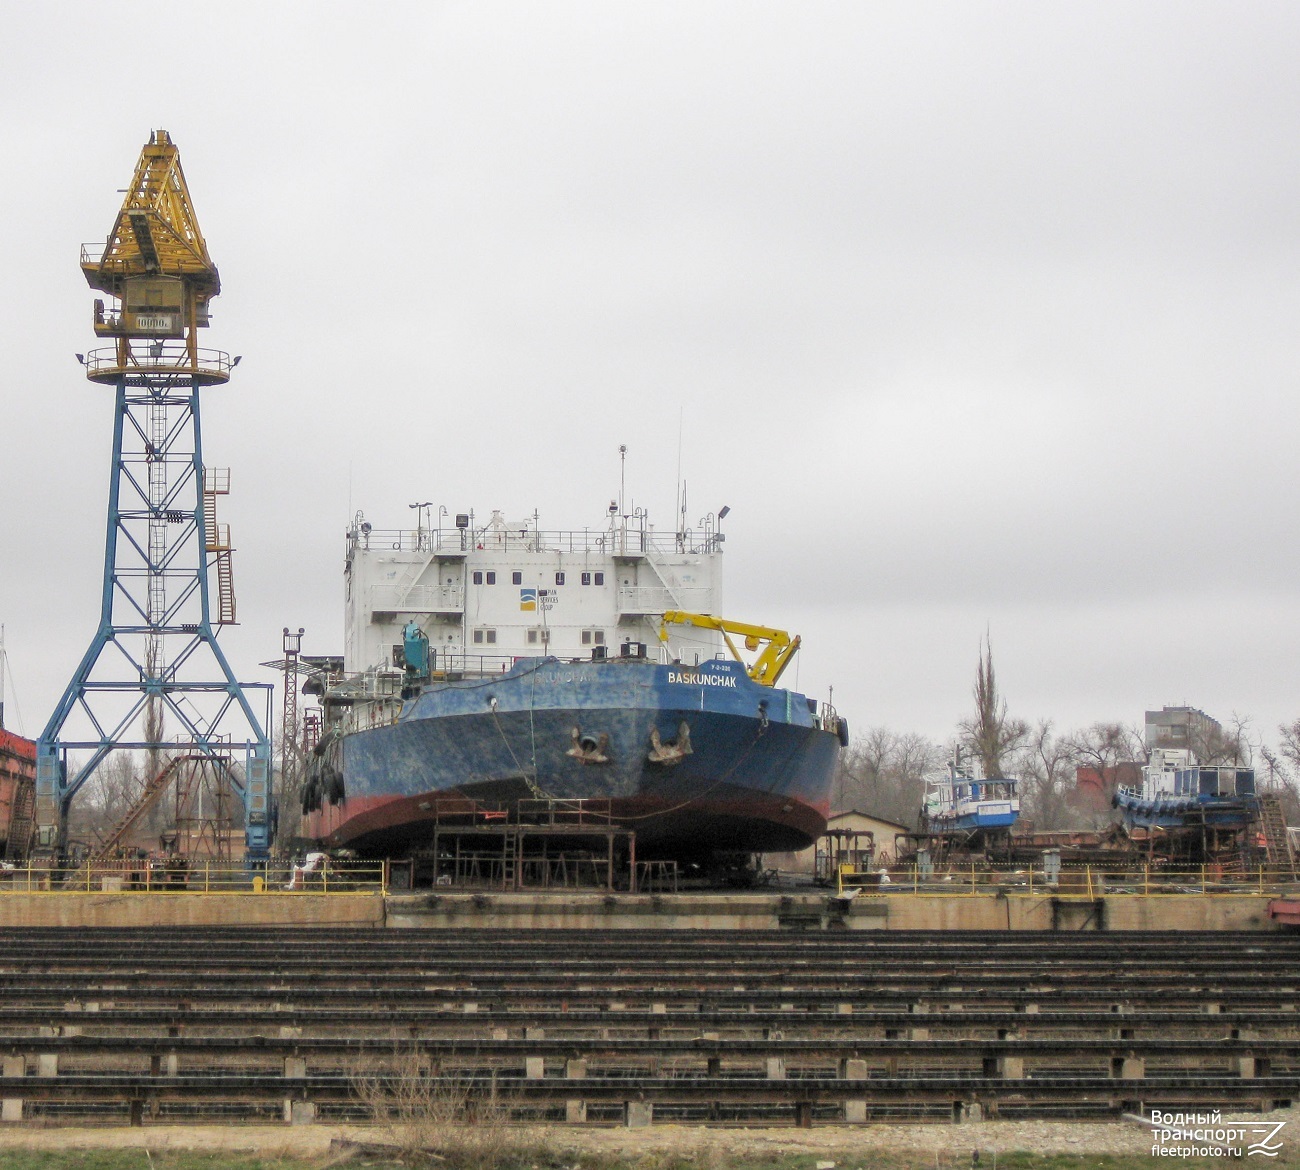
730,819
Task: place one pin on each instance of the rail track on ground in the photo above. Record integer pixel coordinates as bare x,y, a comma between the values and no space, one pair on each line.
633,1026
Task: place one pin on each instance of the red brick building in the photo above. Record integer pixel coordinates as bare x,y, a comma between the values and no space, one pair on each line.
1094,787
17,780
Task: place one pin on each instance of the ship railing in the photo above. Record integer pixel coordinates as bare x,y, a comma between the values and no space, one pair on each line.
386,683
826,717
958,878
417,599
383,686
455,542
367,684
633,599
652,599
172,875
449,665
564,811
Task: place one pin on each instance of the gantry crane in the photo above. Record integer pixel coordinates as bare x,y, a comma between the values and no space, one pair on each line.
154,678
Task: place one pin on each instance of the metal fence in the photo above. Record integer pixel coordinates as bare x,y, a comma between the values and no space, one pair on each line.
1082,882
618,541
163,876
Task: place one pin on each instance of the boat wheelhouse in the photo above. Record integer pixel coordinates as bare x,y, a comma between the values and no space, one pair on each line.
963,800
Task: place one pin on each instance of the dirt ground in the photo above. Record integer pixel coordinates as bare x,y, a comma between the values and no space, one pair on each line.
1044,1137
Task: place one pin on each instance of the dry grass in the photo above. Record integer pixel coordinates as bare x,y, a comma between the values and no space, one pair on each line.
428,1120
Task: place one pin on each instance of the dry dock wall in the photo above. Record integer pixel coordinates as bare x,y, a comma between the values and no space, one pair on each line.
817,912
181,909
557,911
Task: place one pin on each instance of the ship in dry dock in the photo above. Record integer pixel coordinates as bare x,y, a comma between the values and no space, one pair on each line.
492,665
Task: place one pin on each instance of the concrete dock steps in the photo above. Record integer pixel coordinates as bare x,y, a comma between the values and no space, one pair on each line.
618,1026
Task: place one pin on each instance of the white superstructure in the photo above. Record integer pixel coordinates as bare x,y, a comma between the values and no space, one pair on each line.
1160,776
963,798
487,593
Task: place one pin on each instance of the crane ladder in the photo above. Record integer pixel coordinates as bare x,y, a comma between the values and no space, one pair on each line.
217,540
1277,845
156,786
22,820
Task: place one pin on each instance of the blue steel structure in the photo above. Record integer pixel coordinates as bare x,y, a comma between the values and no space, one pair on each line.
154,678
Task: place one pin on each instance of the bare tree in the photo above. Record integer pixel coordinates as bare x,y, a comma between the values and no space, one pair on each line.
1224,745
289,780
991,734
105,798
1280,773
883,774
1044,763
857,777
1114,754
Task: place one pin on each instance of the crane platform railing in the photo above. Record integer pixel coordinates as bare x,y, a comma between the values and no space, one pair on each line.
160,358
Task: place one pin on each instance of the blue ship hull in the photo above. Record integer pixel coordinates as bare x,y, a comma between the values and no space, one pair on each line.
1180,812
971,822
691,758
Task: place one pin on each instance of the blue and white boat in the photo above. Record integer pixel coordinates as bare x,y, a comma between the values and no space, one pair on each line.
963,801
488,665
1179,793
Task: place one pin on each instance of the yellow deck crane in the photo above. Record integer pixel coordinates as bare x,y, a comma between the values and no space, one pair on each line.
777,647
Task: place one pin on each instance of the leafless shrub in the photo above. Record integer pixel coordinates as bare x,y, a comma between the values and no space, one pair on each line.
431,1120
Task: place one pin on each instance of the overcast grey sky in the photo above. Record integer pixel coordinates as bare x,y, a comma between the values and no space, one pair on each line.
981,317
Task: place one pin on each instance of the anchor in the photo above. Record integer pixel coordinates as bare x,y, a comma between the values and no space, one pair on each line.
588,749
670,753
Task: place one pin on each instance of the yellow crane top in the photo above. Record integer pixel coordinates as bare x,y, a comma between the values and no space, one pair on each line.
156,233
777,647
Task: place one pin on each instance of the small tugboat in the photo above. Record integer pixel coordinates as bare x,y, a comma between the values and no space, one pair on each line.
1199,810
968,808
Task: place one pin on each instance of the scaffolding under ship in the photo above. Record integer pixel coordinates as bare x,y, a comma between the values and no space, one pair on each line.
492,666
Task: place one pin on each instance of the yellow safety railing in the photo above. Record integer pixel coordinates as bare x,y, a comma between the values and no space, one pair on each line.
172,876
1086,882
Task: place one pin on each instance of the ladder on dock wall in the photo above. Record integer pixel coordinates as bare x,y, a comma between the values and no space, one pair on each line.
1272,823
153,789
22,820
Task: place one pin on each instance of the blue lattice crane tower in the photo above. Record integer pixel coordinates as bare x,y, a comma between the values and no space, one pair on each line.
154,680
